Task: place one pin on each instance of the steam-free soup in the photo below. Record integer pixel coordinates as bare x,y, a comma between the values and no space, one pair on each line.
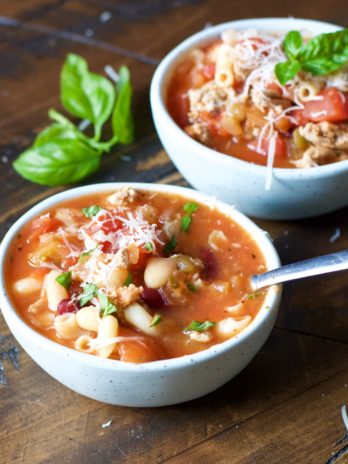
133,275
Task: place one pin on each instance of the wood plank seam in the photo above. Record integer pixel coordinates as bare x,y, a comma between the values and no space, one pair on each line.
77,38
308,334
248,419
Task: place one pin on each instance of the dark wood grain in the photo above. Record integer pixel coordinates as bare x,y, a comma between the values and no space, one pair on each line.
285,407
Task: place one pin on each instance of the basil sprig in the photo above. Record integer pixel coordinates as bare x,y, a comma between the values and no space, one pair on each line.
62,153
321,55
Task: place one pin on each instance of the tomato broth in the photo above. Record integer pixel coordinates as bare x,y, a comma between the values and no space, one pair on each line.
134,275
227,96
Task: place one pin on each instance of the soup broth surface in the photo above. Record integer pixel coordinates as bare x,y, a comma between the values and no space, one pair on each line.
134,275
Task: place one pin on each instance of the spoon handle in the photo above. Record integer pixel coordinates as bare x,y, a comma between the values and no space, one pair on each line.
310,267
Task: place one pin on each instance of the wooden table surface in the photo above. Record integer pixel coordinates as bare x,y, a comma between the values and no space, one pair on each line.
285,406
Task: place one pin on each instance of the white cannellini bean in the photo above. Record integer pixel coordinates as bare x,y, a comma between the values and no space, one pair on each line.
66,326
108,328
55,292
84,343
137,315
158,271
88,318
230,326
27,285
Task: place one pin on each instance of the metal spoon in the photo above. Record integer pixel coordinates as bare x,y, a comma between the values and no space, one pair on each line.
310,267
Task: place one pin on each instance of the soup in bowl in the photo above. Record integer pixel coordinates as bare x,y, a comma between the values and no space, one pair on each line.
137,294
238,103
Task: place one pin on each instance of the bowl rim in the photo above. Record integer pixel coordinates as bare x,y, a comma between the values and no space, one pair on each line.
163,73
269,306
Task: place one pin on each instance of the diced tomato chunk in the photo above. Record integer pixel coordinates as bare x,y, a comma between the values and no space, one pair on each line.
179,108
332,107
106,247
209,71
274,87
280,146
139,352
42,225
109,224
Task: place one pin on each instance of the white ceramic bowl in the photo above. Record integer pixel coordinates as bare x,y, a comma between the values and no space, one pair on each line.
150,384
295,193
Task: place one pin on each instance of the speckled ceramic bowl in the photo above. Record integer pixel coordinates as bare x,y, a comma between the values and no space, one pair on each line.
156,383
294,194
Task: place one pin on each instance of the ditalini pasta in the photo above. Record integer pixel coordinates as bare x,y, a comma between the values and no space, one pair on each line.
135,276
231,101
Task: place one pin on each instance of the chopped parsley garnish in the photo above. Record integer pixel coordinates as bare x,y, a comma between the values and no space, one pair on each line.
169,246
87,253
148,246
91,211
106,307
199,326
189,209
191,287
64,280
129,280
89,292
155,320
185,223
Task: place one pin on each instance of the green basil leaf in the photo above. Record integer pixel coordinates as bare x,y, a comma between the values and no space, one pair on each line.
190,207
91,211
322,66
89,292
106,306
58,162
85,94
155,320
54,132
185,223
332,46
129,280
169,246
286,71
199,326
60,119
122,119
292,43
64,280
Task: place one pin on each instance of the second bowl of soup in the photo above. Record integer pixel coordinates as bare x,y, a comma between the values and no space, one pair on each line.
274,150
